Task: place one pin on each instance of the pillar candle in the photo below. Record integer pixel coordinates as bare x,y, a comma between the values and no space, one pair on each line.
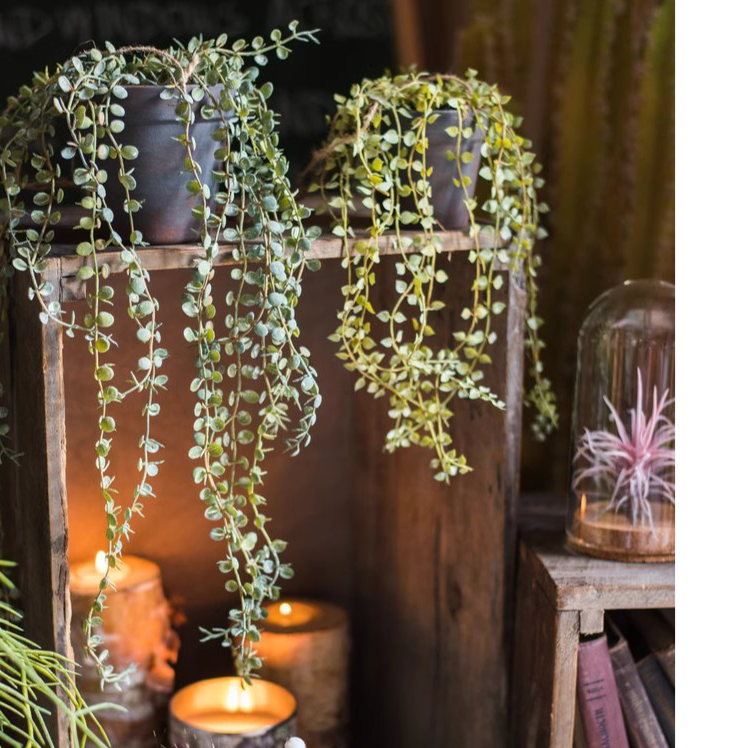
136,629
227,713
305,647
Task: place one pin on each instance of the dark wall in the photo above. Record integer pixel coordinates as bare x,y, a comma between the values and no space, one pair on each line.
354,42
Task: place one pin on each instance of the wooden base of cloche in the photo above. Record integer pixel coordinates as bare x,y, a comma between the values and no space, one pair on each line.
612,536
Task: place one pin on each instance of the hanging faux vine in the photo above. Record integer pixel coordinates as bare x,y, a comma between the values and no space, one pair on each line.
253,349
375,161
256,349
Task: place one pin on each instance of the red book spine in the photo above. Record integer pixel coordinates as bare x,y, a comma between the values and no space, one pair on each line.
599,704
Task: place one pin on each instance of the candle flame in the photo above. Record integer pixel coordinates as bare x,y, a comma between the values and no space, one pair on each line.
238,699
285,609
245,700
583,507
101,562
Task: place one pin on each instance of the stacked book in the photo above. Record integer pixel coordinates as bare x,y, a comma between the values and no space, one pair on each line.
626,683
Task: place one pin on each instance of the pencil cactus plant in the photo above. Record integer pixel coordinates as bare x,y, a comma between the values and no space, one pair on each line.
33,681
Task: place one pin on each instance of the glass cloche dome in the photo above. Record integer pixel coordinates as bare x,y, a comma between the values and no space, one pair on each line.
622,484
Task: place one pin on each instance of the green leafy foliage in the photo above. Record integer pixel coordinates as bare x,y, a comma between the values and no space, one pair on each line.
376,161
33,681
251,373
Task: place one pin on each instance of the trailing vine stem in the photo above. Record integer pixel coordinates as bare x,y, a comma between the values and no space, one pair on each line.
86,99
376,163
261,325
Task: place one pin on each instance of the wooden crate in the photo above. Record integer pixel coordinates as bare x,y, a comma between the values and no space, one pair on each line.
432,564
560,596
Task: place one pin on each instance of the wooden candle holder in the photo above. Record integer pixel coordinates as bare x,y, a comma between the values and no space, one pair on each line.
310,658
202,715
605,534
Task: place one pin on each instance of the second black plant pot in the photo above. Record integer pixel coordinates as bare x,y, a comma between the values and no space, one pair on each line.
151,126
446,198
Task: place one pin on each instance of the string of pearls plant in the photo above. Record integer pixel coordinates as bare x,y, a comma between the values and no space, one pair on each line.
251,373
376,161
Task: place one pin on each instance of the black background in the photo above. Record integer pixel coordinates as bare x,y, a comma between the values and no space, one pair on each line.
355,42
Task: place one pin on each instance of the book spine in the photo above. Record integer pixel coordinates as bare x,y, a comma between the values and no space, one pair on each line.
599,704
661,694
580,739
659,635
641,720
666,658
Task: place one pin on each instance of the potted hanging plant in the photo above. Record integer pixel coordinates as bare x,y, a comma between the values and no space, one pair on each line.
137,146
407,154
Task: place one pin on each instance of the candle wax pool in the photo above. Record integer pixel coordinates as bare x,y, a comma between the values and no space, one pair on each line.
232,722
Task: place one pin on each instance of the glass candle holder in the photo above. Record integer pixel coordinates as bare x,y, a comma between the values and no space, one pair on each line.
622,492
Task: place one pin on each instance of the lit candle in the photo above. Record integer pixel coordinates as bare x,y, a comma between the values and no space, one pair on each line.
136,619
85,577
225,712
305,647
295,614
136,629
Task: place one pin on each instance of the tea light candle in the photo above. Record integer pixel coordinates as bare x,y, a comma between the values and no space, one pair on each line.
305,646
136,629
227,713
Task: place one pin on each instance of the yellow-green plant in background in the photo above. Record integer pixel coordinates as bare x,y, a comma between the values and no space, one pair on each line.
594,80
377,151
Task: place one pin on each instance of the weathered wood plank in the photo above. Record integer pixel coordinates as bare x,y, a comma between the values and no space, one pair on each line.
433,562
35,509
327,247
575,582
544,669
591,621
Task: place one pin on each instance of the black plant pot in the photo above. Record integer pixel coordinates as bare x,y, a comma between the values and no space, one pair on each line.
447,199
151,126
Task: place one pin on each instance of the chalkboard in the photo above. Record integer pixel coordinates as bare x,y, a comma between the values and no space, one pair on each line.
355,35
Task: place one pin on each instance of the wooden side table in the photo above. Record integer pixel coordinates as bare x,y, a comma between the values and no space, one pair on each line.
560,596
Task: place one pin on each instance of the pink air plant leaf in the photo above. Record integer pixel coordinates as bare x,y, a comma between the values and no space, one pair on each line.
631,464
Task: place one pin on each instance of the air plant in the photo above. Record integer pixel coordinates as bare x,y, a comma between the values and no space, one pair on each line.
635,463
